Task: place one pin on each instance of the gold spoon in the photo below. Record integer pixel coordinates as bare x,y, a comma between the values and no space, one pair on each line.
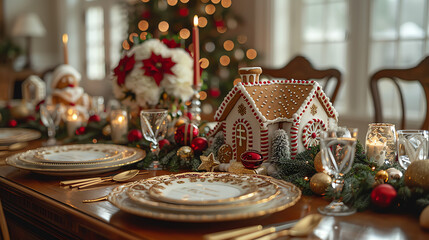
14,146
120,177
302,228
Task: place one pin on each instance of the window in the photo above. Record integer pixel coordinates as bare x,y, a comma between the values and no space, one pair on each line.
359,38
105,29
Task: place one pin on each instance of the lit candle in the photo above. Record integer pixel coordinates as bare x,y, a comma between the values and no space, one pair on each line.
73,122
119,125
196,45
375,152
66,54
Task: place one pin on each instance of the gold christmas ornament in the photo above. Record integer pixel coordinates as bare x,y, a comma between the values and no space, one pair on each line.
208,163
238,168
320,182
318,165
382,175
394,173
424,218
417,174
185,153
107,130
20,111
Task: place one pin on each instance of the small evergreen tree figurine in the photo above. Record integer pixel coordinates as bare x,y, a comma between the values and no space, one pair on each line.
280,146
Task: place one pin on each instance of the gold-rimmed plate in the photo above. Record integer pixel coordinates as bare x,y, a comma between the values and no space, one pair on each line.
266,191
75,169
13,135
289,195
203,189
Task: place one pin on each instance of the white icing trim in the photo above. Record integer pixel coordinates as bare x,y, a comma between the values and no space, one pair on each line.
69,94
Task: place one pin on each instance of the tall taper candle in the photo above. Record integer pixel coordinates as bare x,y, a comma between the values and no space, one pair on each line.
66,52
196,44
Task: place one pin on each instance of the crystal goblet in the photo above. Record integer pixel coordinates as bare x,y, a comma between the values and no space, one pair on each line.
50,114
338,151
412,145
151,121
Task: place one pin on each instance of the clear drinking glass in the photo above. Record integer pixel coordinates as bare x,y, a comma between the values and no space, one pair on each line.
338,151
50,114
97,106
151,121
412,145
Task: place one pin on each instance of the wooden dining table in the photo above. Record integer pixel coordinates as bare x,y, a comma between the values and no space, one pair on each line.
37,207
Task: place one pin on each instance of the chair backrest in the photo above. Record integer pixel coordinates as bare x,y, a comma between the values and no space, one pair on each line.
418,73
300,68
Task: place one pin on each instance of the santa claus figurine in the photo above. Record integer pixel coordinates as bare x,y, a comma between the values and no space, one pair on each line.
66,90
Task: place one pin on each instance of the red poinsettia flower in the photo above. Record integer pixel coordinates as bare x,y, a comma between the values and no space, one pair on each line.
171,43
125,66
156,66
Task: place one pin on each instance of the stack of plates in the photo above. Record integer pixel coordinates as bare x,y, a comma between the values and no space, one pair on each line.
205,197
80,159
14,135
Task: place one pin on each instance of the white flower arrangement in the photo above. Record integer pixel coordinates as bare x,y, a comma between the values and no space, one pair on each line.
168,70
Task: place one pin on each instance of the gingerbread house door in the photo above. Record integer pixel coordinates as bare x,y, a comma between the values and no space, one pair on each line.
241,138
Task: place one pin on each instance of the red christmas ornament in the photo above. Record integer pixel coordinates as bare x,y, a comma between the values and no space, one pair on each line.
156,66
126,64
94,118
183,12
219,23
252,159
199,144
146,14
80,130
214,92
163,142
134,135
12,123
383,195
189,115
185,134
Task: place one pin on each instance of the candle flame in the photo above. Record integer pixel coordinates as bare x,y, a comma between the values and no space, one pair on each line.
120,119
74,116
195,20
65,38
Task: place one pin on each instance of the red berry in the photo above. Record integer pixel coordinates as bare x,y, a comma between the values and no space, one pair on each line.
12,123
80,130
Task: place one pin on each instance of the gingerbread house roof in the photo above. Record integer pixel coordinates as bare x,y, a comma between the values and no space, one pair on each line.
276,100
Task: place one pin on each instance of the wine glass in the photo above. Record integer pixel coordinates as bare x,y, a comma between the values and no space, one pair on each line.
412,145
50,114
151,121
338,151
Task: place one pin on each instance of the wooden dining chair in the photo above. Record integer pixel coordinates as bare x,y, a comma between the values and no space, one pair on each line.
418,73
300,68
3,224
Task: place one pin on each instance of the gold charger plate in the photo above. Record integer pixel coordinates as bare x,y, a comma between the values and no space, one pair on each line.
14,135
289,195
266,191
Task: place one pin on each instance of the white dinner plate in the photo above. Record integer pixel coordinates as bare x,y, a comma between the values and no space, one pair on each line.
14,135
266,191
289,195
135,155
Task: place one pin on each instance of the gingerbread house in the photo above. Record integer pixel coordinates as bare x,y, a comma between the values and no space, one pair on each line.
254,109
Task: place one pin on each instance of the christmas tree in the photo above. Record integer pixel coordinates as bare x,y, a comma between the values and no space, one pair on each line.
221,53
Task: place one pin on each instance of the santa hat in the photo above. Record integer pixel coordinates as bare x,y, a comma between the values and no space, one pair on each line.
63,70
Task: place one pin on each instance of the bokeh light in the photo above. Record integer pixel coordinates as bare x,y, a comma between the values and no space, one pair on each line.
202,22
215,1
143,35
251,54
224,60
242,39
132,36
228,45
221,29
172,2
163,26
210,9
184,1
145,1
236,81
125,45
184,33
143,25
204,63
239,54
210,46
203,95
226,3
